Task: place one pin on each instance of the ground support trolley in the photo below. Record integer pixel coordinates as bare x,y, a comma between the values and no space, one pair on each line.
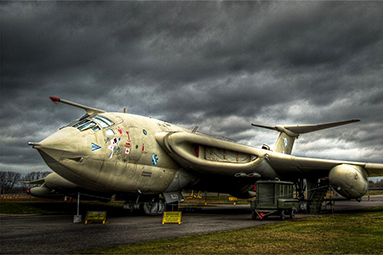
274,198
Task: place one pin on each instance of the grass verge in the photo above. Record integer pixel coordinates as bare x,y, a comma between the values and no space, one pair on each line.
349,233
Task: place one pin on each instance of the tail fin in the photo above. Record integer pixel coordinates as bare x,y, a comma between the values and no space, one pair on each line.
288,134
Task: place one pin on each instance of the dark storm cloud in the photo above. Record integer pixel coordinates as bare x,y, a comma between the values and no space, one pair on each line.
218,65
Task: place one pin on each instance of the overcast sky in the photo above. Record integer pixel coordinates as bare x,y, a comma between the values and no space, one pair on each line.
217,65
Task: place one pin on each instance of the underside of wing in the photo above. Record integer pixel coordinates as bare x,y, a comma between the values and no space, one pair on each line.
373,169
348,178
290,165
38,181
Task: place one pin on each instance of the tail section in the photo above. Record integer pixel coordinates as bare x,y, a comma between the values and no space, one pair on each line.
288,134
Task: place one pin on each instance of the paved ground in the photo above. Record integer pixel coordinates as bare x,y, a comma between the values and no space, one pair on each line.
58,235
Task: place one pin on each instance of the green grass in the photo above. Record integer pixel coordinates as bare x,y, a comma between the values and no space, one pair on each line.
351,233
375,192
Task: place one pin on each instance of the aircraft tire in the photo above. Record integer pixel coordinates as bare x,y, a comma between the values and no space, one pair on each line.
154,207
282,214
292,213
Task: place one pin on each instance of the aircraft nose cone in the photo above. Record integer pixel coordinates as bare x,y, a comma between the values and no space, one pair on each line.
68,152
67,140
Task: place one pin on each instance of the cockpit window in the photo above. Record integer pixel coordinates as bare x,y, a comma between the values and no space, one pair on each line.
80,123
94,123
87,125
103,121
96,128
109,132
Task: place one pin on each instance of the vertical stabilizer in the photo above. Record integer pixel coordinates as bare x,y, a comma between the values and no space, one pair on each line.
288,134
285,142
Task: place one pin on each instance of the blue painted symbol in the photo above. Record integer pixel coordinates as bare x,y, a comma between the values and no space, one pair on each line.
284,138
154,160
95,147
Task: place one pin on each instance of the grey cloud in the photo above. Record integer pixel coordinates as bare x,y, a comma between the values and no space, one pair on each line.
218,65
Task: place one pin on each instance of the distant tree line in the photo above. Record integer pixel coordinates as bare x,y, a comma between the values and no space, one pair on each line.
377,184
11,182
14,182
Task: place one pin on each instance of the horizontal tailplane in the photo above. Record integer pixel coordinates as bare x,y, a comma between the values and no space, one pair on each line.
288,134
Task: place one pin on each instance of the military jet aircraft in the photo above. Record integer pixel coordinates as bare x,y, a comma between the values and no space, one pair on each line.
145,161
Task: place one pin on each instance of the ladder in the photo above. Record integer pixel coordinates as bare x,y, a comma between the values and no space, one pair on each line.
317,196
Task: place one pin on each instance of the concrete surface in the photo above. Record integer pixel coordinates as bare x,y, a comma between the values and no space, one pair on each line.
36,234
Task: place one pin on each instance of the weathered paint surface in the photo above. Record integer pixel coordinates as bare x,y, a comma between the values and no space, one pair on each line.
115,153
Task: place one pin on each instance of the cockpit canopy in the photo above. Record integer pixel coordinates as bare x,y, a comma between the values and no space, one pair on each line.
95,123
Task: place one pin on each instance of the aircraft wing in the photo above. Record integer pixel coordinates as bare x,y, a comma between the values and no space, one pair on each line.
38,181
213,156
291,165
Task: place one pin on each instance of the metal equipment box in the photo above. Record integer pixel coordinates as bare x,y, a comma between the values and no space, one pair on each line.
274,198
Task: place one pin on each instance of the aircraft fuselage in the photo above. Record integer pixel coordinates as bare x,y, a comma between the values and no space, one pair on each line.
112,152
124,154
